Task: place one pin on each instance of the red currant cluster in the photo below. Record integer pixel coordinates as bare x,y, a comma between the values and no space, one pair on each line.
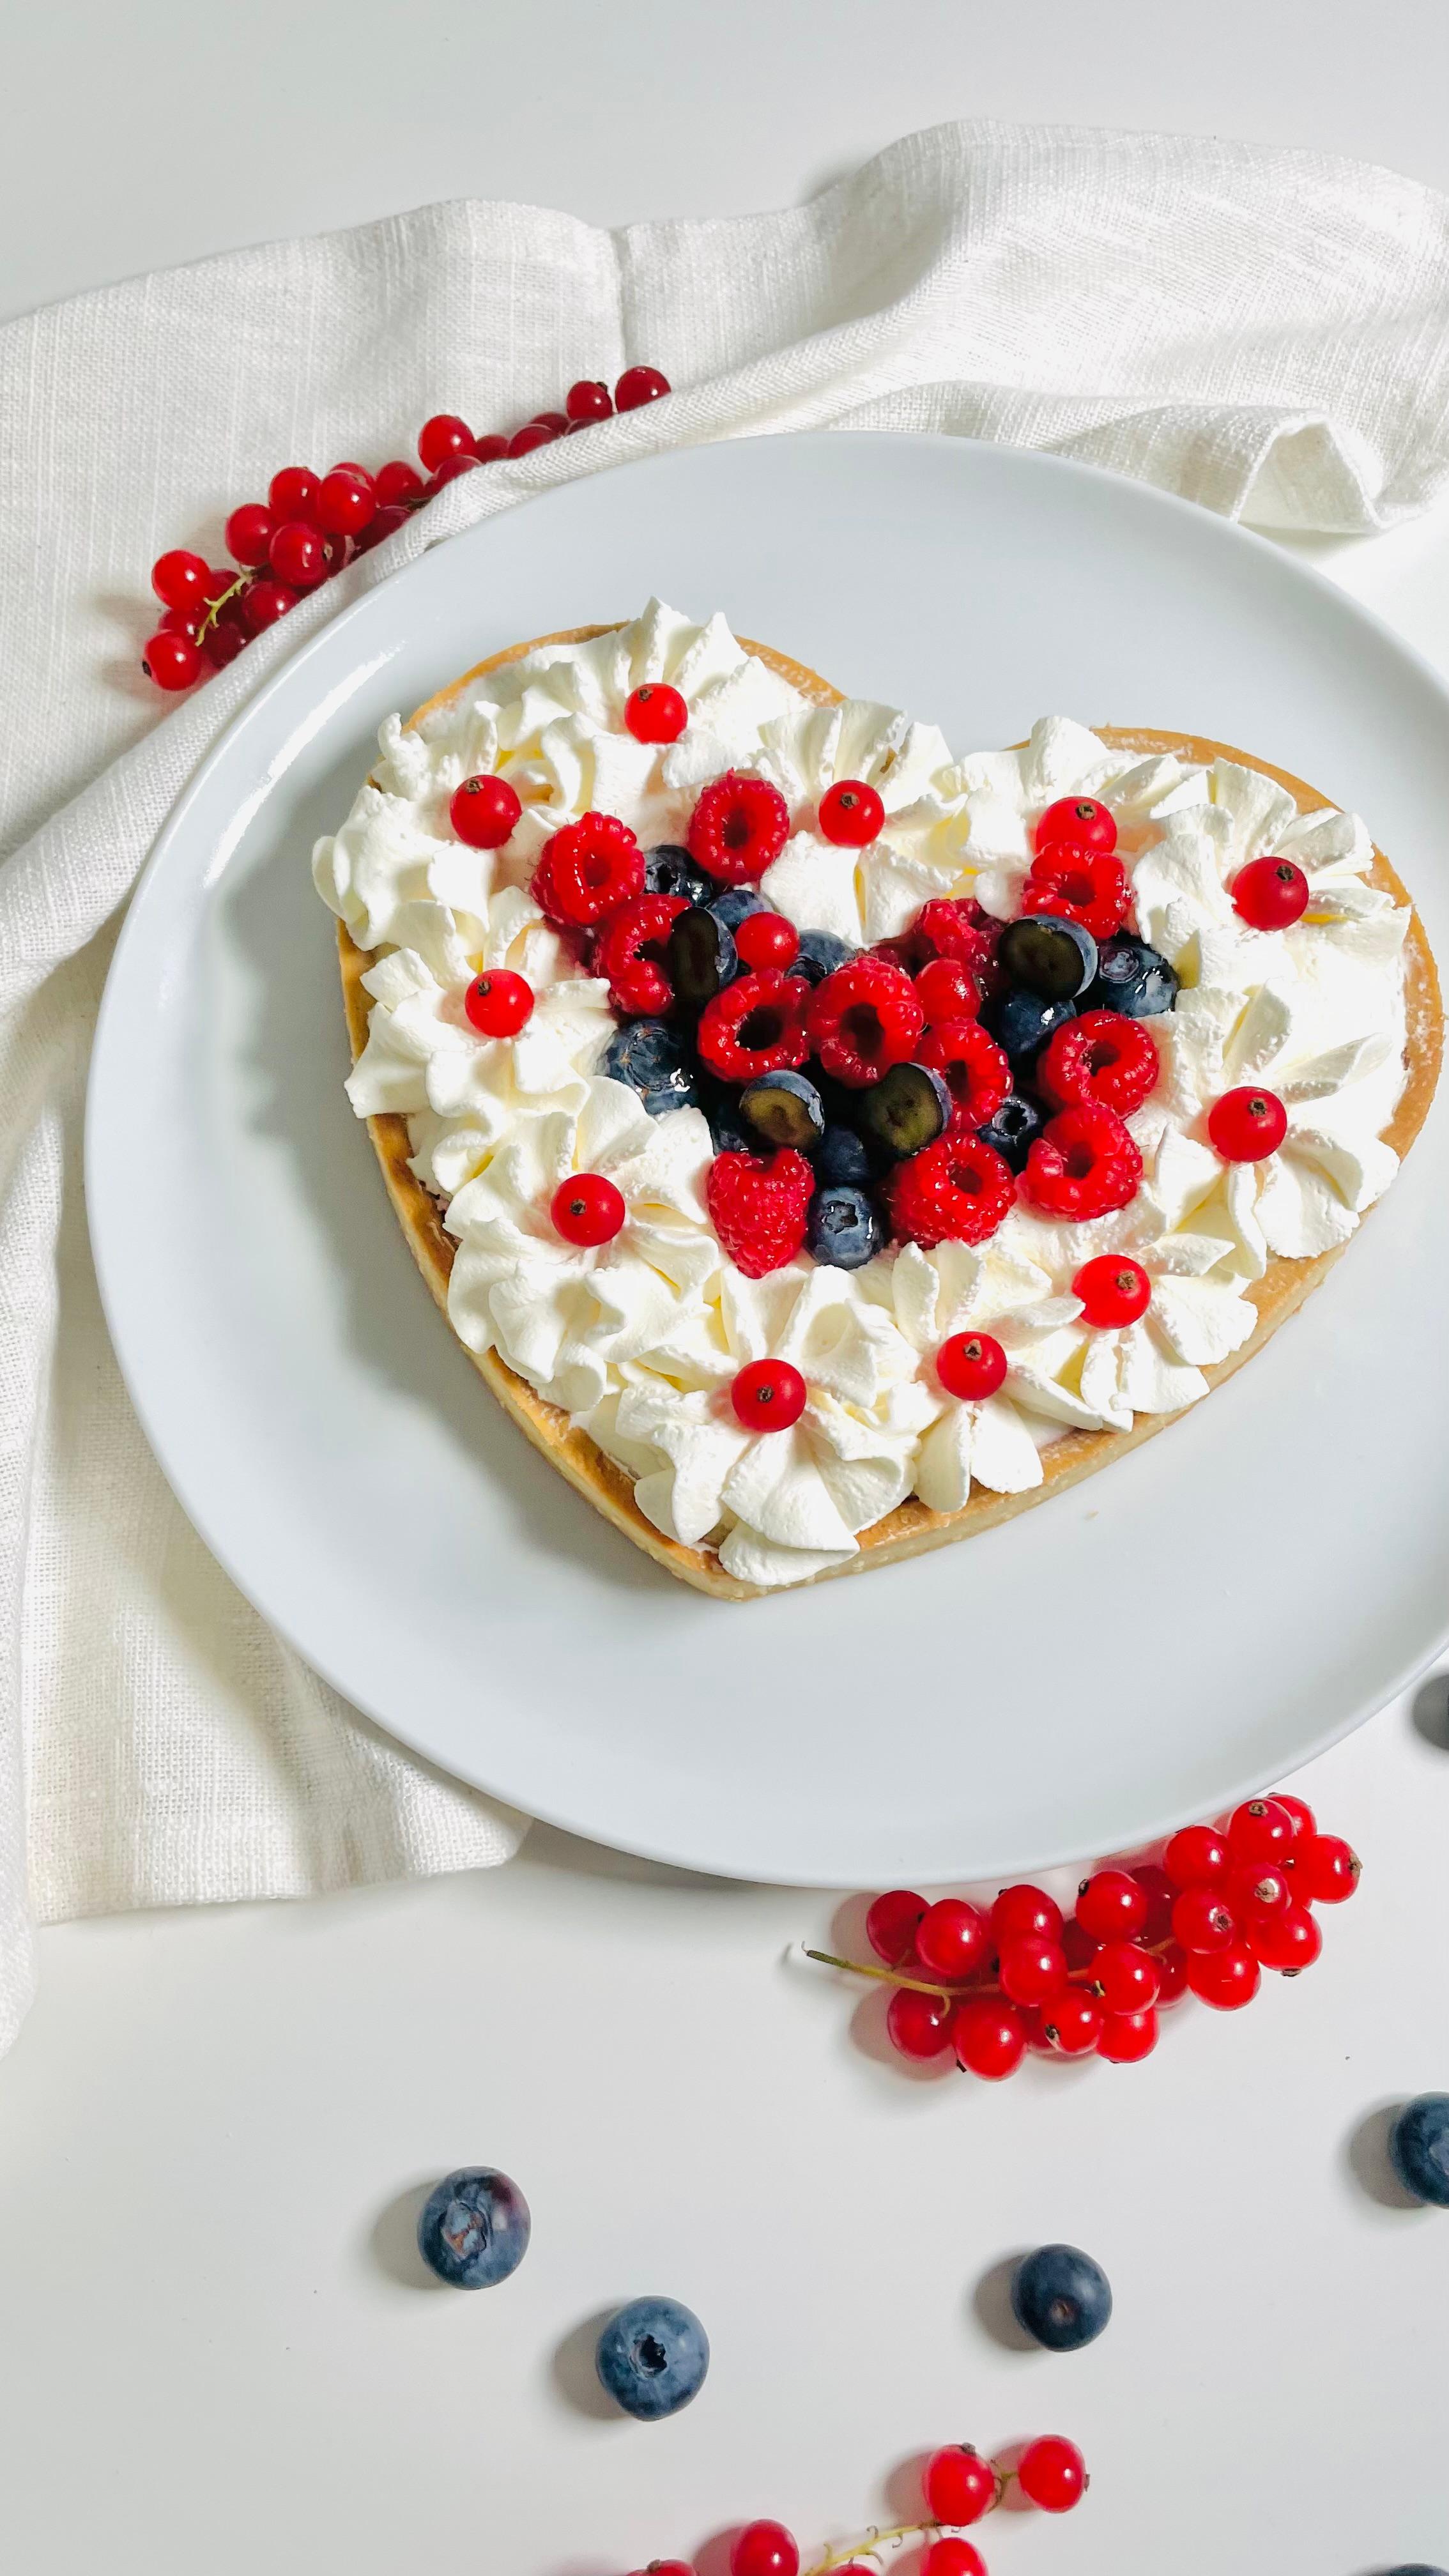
960,2488
310,525
1223,1903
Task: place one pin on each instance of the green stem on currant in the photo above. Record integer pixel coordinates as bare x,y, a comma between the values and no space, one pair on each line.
215,606
956,1994
872,2546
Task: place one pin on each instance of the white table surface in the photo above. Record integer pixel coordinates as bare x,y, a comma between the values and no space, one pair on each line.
218,2354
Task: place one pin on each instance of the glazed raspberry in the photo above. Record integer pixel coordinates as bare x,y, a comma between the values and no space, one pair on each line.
499,1003
1114,1291
1247,1124
863,1019
890,1926
947,991
292,494
738,828
974,1069
654,713
960,929
1226,1979
960,2486
918,2025
346,502
1088,886
1072,2023
297,554
249,534
767,939
971,1366
588,400
442,436
1081,820
1083,1164
755,1026
768,1395
484,811
1100,1057
180,579
1019,1910
396,482
955,1192
593,865
172,661
1324,1870
1270,894
1052,2473
639,385
629,953
953,1939
850,814
989,2038
266,601
759,1205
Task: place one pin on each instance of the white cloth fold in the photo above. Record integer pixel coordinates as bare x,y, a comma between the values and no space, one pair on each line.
1265,332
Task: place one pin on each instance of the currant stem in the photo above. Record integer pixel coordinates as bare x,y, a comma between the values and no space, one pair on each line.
215,606
974,1986
872,2546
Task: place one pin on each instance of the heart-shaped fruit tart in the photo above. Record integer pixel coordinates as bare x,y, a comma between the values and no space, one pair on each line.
826,1146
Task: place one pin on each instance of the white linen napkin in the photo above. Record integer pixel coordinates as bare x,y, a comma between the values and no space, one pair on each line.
1265,332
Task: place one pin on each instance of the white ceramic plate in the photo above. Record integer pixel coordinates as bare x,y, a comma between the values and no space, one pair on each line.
1191,1623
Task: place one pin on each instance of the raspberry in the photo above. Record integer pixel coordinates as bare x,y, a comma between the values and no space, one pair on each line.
955,1192
738,828
973,1068
1088,886
961,930
756,1025
1099,1059
592,867
863,1019
629,951
758,1205
1084,1163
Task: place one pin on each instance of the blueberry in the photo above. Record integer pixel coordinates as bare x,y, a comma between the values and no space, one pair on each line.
1021,1022
734,904
652,2358
700,956
1419,2148
784,1109
1415,2570
720,1102
1048,955
474,2228
909,1107
1133,979
670,870
844,1231
654,1061
843,1161
820,954
1014,1129
1061,2297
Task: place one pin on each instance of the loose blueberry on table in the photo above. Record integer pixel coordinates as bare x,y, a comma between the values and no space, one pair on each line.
474,2228
1061,2297
652,2358
1419,2148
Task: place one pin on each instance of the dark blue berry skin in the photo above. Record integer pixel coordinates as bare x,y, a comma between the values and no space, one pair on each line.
844,1231
843,1161
734,904
699,956
1047,954
670,870
1133,979
1014,1129
474,2228
652,2358
1061,2297
1021,1023
820,954
783,1109
654,1060
1415,2570
1419,2148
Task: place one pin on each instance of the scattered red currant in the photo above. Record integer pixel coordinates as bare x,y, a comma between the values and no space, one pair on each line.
1324,1869
1227,1979
483,812
989,2039
655,713
589,1209
1111,1906
1078,819
971,1366
919,2025
953,1939
768,1395
499,1004
1247,1125
850,814
180,579
173,661
1019,1910
960,2486
639,385
1270,894
1115,1291
765,939
890,1926
1052,2473
588,400
764,2549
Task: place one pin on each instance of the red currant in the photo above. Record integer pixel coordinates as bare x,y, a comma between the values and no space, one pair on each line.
1287,1940
534,433
384,523
346,502
173,661
947,990
989,2038
222,642
1124,1978
297,555
589,1209
395,482
491,447
1171,1973
1111,1906
890,1926
639,385
1025,1909
1072,2023
1197,1857
1053,2473
1260,1887
950,2556
180,579
465,462
1324,1869
656,713
249,534
1247,1125
1126,2038
499,1004
444,435
183,621
266,601
1304,1821
292,494
588,400
665,2567
768,1395
1160,1893
764,2549
918,2025
1260,1830
971,1366
960,2486
850,814
1270,894
1202,1922
1226,1979
1114,1291
1078,819
767,939
557,421
484,811
1033,1969
953,1939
